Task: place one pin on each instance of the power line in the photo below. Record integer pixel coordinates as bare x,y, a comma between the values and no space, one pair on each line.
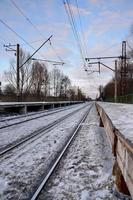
18,35
35,27
22,13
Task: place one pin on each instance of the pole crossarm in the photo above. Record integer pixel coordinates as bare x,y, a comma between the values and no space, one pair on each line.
91,63
58,63
9,47
100,63
105,57
51,61
36,51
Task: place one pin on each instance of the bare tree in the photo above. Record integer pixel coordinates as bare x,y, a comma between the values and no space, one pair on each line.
39,79
11,74
8,90
55,81
64,86
46,80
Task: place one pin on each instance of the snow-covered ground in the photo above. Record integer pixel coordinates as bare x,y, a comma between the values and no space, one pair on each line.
122,117
14,133
22,169
85,172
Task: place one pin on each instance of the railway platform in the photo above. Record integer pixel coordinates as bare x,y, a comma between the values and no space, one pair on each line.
24,107
117,119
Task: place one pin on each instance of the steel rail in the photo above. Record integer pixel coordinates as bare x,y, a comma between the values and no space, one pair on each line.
26,120
59,157
42,130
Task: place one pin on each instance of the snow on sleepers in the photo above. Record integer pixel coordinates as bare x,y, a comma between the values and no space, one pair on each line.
117,120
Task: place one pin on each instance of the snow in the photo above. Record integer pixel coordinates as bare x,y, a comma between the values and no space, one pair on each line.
12,134
85,172
22,169
122,117
85,195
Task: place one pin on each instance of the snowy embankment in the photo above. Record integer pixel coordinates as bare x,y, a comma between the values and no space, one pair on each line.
23,168
14,133
122,117
85,172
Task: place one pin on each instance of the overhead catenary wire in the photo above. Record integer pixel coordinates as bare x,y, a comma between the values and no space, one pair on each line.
71,19
81,27
110,47
35,27
73,26
129,45
83,36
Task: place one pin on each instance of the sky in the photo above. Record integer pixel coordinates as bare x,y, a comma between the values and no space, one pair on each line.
102,26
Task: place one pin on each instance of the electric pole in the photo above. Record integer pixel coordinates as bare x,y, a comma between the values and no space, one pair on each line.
123,70
18,77
9,48
115,96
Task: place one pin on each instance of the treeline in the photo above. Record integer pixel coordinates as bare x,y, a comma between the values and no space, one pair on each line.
108,91
37,83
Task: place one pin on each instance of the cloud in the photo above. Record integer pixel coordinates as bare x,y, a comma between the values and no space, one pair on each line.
82,11
89,83
108,22
63,52
94,1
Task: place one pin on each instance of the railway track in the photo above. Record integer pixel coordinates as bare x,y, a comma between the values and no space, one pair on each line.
29,116
36,133
59,157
